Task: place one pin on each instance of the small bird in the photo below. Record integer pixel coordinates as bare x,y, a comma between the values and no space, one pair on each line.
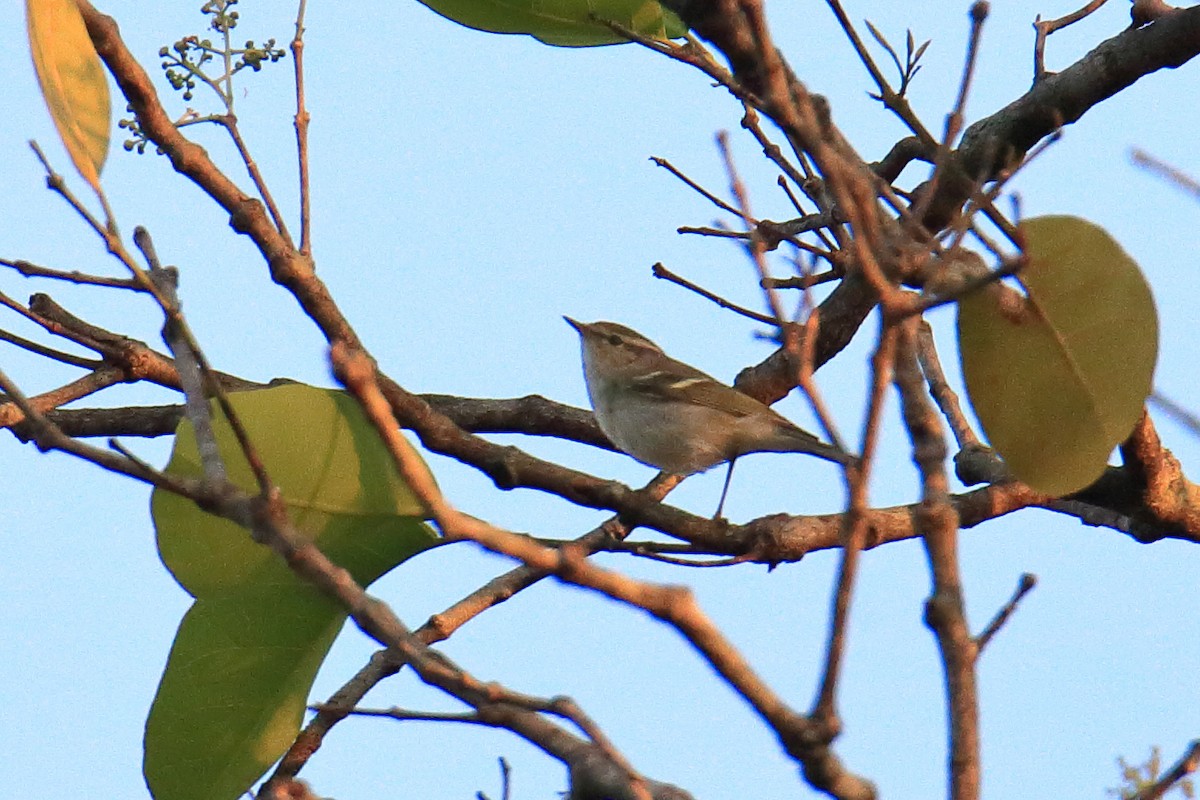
672,416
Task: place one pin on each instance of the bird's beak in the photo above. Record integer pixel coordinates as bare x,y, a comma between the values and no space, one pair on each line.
580,327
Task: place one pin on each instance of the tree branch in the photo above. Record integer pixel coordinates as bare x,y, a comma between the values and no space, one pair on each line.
1001,139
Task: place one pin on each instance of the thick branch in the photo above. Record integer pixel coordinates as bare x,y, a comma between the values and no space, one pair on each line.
1000,140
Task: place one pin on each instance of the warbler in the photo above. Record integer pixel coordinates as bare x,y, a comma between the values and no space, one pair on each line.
672,416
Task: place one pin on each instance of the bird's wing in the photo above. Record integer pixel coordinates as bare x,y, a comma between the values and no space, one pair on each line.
690,385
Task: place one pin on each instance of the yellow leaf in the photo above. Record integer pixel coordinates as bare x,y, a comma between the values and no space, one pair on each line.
1058,378
72,81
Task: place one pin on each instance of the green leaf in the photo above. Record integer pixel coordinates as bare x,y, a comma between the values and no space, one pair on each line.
234,691
337,478
566,23
72,82
1059,377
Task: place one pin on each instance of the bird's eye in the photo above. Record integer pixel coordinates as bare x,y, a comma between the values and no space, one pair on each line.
614,339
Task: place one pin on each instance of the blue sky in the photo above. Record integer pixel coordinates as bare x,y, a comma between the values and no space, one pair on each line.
468,190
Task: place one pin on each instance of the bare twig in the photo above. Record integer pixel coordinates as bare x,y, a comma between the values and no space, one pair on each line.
35,271
700,190
49,352
197,378
853,533
803,281
693,53
806,183
984,201
188,367
979,13
939,388
48,437
650,554
659,271
1046,27
505,779
229,122
301,125
1024,587
1182,415
895,102
405,714
1010,267
101,378
954,121
1182,181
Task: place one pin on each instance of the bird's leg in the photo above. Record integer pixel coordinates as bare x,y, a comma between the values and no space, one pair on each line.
725,488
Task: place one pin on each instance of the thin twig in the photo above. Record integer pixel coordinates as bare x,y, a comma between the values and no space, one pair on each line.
895,102
945,397
229,122
979,13
30,270
505,779
1046,27
49,437
54,326
854,531
693,53
954,121
683,562
705,193
985,201
1164,170
404,714
659,271
103,377
829,246
301,124
1024,586
56,183
568,709
719,233
107,231
187,363
197,378
1010,267
1182,415
49,352
772,151
804,281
